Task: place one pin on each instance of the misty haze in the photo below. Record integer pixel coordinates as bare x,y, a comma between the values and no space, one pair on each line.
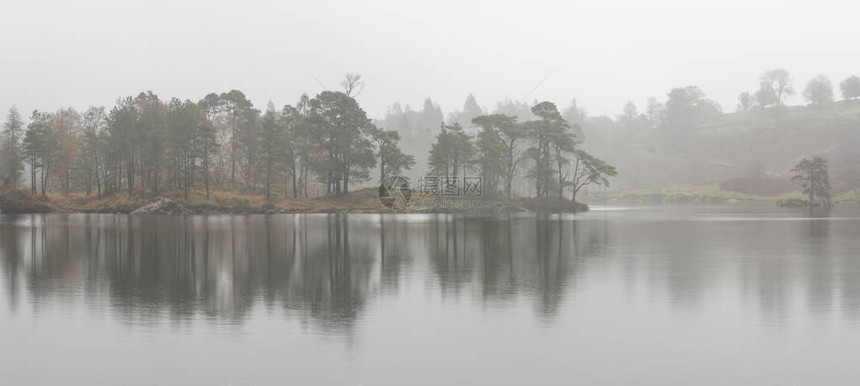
466,192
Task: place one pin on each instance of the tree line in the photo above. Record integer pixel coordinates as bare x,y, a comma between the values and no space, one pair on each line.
776,85
146,146
546,147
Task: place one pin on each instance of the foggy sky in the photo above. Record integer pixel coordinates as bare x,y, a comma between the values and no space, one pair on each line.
61,53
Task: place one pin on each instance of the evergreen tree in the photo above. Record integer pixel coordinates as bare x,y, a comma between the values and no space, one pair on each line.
40,148
207,146
551,139
453,152
90,165
588,170
339,131
471,109
499,145
391,159
124,142
241,117
183,147
13,132
292,121
66,126
815,177
273,146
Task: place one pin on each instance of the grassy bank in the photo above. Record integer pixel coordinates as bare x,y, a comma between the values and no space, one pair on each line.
714,193
18,201
361,201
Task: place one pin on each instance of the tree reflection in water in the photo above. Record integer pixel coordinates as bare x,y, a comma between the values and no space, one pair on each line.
326,269
322,267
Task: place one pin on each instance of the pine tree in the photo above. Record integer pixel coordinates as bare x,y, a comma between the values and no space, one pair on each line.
40,148
500,139
273,146
453,152
13,164
816,179
552,139
391,159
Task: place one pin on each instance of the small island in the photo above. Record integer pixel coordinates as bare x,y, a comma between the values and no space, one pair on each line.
18,201
222,155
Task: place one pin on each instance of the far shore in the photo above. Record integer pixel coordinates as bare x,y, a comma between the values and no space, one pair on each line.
718,193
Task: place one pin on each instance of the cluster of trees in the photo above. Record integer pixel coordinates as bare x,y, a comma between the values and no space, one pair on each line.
668,126
147,146
415,126
777,85
547,148
144,145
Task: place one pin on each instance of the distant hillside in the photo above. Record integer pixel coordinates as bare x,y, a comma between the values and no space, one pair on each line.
747,145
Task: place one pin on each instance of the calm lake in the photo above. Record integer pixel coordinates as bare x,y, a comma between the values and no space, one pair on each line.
619,295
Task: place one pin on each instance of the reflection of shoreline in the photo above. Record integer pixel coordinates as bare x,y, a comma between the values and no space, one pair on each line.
328,268
323,266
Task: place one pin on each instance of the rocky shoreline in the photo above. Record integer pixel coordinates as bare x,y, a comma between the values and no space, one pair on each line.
19,202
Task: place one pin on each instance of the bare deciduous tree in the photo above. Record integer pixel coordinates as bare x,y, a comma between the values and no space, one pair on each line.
779,82
352,85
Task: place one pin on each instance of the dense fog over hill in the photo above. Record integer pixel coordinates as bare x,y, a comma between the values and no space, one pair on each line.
603,53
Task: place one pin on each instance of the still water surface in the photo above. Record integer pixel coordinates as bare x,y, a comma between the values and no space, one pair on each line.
641,295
